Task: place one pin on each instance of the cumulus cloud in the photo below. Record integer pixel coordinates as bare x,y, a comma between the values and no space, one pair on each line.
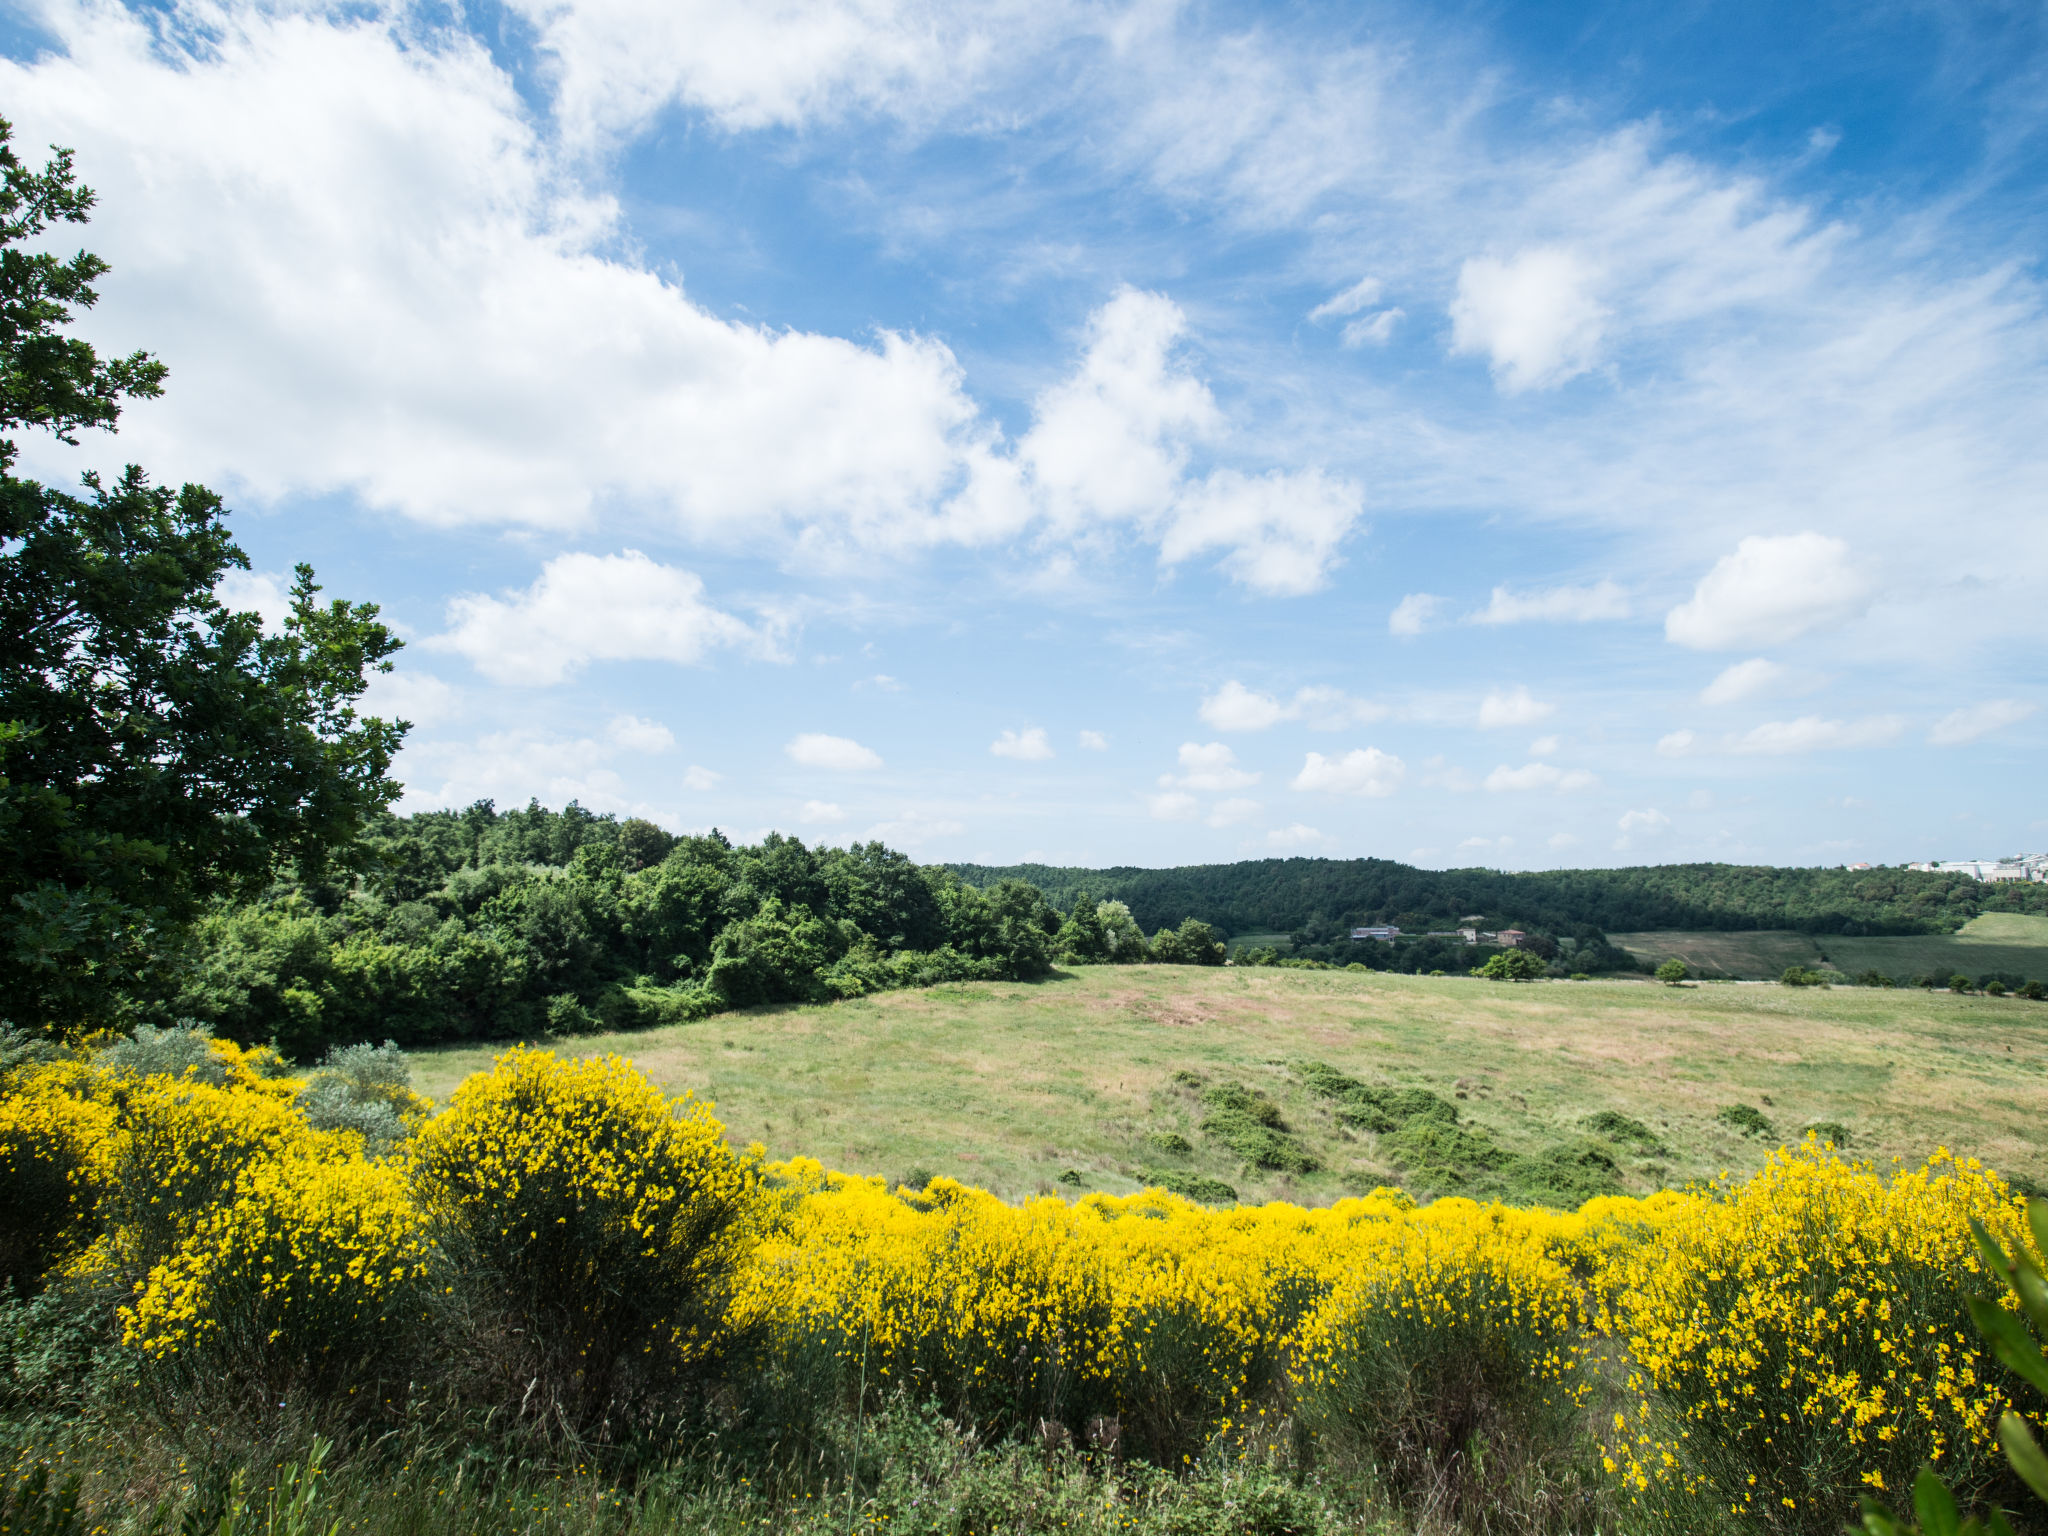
840,754
1512,707
1810,733
1412,614
1743,680
262,593
587,608
1093,741
1363,771
1027,746
1676,744
1770,590
1534,315
700,779
515,766
1229,813
403,694
1568,605
1234,707
1539,776
1296,836
1967,724
637,735
1643,823
1211,766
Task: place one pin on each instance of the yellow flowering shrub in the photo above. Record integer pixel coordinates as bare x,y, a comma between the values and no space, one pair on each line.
314,1266
54,1143
1803,1336
601,1221
1461,1325
180,1150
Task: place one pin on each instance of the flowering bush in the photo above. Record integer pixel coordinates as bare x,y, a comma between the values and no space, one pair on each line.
1805,1335
54,1139
598,1226
314,1268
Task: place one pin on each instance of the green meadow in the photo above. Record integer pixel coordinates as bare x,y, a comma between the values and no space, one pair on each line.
2007,943
1092,1073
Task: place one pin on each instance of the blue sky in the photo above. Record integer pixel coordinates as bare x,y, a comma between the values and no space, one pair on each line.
1520,435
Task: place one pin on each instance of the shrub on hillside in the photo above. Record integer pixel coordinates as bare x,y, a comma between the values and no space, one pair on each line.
1513,965
1746,1119
597,1227
1806,1338
1801,976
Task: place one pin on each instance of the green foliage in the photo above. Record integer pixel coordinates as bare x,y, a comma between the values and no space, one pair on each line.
1326,897
1514,965
1249,1123
1672,972
156,750
1959,983
1745,1118
1192,1186
1802,976
1831,1132
1172,1143
1617,1127
1193,943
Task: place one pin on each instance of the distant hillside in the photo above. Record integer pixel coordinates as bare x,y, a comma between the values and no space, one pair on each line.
1320,896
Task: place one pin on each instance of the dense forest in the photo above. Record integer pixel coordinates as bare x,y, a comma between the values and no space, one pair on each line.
1317,899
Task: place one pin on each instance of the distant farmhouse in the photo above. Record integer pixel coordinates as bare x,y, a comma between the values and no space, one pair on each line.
1507,938
2028,866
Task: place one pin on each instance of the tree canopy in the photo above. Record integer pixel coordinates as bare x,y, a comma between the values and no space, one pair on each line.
156,749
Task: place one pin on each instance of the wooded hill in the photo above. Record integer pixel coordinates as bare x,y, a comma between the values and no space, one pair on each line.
1316,898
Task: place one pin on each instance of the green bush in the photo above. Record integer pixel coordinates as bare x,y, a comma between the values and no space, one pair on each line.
1745,1118
1802,976
1192,1186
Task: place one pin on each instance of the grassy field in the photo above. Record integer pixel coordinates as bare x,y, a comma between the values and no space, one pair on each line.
2008,942
1009,1086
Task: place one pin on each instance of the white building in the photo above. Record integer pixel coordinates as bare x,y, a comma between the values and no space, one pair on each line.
2028,866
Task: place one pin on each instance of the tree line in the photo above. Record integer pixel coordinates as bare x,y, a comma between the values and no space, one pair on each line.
1317,900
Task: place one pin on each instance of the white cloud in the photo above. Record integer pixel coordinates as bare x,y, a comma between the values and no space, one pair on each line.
1360,295
1743,680
636,735
837,753
586,608
1644,823
1372,330
1676,744
1770,590
1295,836
1534,315
1028,746
881,682
914,829
1093,741
1974,720
1810,733
1570,605
1544,746
818,813
1172,805
1362,771
1281,529
1230,813
1210,767
1539,776
1412,614
262,593
515,766
1234,707
402,694
1512,707
700,779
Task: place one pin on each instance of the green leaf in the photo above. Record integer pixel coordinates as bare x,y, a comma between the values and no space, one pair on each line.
2010,1340
2037,1218
1879,1521
1935,1505
2024,1452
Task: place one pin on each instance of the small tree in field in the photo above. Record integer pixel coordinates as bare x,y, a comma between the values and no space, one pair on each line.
1672,972
1512,965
